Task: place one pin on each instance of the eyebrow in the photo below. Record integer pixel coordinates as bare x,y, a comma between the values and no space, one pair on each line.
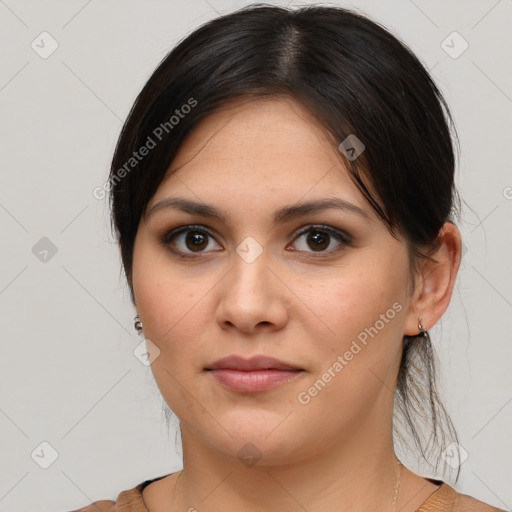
282,215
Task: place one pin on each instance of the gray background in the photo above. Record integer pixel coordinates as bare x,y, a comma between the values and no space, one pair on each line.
68,373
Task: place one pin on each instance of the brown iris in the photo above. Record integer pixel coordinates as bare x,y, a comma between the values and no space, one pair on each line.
319,239
196,240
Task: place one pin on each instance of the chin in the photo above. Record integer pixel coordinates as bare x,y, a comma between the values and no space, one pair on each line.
257,439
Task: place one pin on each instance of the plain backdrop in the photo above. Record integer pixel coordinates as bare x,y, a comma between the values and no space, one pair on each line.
73,397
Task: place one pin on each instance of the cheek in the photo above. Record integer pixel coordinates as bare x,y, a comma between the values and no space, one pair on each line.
355,361
355,300
361,312
167,300
171,312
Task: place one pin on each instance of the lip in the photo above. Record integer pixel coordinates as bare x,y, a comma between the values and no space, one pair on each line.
259,373
253,363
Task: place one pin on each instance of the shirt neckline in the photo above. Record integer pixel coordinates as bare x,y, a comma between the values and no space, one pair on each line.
436,497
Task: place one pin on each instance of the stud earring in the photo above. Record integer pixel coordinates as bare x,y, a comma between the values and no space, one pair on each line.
137,324
422,330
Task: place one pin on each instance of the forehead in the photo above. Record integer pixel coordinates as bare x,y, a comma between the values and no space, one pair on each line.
255,145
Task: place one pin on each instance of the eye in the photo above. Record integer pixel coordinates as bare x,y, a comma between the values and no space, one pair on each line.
187,240
192,241
321,239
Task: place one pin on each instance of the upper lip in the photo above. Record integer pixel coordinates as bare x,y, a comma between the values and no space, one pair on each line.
253,363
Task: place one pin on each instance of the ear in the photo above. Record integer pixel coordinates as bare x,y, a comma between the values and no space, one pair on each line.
434,285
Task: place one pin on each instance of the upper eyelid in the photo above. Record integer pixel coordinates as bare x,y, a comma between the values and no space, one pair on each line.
332,230
170,234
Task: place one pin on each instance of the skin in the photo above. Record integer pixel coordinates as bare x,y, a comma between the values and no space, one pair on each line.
294,302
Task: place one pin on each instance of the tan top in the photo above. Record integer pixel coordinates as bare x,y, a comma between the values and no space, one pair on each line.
443,499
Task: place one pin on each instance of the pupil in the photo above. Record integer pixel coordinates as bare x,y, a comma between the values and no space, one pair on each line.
319,239
195,240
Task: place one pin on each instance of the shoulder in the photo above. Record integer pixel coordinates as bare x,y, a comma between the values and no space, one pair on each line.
99,506
447,499
127,501
465,503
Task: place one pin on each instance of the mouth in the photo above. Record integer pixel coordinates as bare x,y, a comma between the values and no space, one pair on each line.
256,374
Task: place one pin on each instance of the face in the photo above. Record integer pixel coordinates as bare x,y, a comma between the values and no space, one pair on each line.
240,266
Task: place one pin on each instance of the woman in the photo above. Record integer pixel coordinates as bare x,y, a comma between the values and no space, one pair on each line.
283,196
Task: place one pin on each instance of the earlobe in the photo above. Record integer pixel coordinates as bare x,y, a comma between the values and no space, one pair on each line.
435,284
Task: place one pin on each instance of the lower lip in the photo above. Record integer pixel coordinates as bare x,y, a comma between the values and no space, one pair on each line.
251,381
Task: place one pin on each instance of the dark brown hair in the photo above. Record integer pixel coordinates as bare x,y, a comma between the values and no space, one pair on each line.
356,78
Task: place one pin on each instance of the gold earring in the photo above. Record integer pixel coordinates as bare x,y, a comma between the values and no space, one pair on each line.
421,328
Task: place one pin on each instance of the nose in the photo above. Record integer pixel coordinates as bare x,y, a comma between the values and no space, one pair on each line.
253,298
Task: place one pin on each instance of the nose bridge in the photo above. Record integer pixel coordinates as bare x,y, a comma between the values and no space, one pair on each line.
250,295
249,276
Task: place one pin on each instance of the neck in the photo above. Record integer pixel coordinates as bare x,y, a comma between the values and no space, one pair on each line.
354,475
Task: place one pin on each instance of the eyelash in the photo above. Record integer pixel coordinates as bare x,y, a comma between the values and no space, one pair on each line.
343,238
